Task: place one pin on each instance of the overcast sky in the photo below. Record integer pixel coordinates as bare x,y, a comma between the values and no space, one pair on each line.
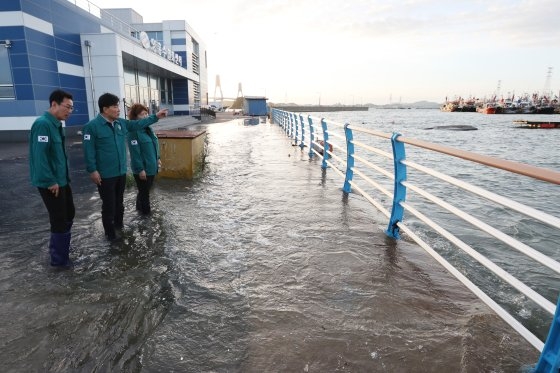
370,51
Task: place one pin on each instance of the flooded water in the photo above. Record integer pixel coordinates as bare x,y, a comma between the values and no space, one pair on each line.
259,265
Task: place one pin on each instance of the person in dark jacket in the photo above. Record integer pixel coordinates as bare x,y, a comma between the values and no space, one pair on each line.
143,147
48,164
104,139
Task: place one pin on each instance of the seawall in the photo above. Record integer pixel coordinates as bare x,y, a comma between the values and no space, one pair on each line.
321,108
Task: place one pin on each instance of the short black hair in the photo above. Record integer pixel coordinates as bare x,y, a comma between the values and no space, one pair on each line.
58,95
106,100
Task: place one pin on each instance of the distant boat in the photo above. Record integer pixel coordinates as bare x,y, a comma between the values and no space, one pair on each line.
449,106
536,124
487,108
525,104
463,105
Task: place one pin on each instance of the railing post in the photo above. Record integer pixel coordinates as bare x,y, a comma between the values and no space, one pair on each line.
311,136
291,134
399,193
550,356
296,124
301,144
325,143
349,158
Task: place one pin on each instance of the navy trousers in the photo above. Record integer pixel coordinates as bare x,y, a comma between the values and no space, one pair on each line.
61,209
143,196
111,192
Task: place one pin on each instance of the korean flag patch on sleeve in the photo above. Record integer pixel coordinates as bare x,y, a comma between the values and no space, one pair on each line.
42,139
133,142
87,136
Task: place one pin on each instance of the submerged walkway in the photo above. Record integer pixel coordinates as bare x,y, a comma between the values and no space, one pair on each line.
260,265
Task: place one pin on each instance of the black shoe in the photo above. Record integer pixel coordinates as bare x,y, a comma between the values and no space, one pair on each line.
68,265
112,236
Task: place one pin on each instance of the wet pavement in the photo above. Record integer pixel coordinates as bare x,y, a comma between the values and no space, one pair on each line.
259,265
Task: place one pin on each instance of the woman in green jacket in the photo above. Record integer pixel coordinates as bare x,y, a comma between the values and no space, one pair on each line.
144,158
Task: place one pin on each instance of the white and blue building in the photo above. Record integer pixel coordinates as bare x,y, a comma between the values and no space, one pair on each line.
87,51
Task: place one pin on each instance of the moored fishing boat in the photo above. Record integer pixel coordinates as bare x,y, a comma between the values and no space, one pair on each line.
487,108
449,106
536,124
524,104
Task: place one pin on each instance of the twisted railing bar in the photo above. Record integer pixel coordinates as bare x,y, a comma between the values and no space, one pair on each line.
311,136
296,127
349,159
399,193
302,142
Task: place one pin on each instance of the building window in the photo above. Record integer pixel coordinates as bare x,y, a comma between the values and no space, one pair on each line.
196,47
165,91
6,81
130,86
154,93
143,89
156,35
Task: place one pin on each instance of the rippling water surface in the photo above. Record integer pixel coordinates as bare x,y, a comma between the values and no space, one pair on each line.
259,265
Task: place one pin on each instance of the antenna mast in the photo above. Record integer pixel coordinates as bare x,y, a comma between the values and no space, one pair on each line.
498,88
546,90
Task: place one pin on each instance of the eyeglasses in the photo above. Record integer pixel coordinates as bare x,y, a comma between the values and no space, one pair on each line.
69,107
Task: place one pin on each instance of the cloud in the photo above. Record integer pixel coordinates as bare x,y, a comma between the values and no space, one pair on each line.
416,49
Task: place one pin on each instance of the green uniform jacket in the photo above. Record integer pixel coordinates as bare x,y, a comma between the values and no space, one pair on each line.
104,146
143,147
48,162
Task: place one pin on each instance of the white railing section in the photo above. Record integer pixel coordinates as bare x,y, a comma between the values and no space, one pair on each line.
334,143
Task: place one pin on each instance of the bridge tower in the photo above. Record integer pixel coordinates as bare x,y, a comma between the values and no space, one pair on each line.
239,90
216,87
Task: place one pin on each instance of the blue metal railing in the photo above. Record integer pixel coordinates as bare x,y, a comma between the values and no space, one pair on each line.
322,142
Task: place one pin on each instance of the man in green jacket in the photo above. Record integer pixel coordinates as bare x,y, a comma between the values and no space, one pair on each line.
48,164
104,144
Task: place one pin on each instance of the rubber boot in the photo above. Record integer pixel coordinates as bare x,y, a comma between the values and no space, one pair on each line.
59,248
